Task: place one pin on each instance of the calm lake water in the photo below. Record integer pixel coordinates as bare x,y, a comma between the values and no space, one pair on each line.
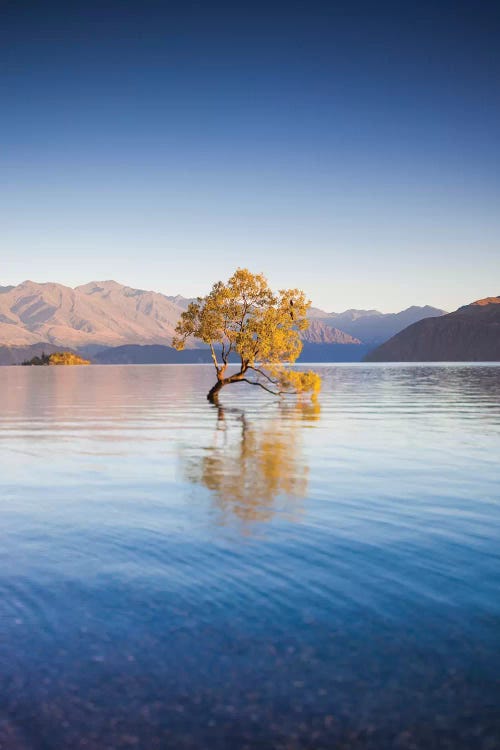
263,575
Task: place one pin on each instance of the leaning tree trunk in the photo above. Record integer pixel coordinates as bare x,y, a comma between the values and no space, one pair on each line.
213,394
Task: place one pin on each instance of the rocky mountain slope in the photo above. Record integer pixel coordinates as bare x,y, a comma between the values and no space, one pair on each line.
100,313
470,334
104,314
321,333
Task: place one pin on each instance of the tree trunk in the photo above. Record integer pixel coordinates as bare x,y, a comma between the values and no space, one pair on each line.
213,394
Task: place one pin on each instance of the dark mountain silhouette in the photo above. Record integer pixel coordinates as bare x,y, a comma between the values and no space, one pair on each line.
150,354
14,355
154,354
470,334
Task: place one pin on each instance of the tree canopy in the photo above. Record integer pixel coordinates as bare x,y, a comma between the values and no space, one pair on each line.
244,317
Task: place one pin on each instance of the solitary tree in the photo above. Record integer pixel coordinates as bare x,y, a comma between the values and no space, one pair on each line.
243,316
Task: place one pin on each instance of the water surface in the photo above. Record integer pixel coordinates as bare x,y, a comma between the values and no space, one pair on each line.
267,574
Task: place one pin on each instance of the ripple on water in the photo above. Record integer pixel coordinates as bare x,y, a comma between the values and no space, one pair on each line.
272,571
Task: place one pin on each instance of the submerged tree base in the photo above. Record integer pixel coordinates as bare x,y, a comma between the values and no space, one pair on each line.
213,394
279,381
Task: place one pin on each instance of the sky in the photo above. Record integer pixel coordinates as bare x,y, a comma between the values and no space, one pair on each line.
350,149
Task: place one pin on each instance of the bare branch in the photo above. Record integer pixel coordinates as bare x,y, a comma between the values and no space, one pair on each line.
261,385
264,374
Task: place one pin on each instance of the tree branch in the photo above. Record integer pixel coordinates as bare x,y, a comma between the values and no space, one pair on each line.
261,372
214,357
261,385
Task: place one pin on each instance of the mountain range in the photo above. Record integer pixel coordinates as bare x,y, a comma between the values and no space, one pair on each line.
373,327
105,314
100,313
108,313
470,334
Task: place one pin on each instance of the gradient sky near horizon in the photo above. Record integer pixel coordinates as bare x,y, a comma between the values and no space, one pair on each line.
351,149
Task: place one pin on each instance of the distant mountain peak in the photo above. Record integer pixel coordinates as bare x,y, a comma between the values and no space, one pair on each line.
319,333
371,326
485,301
358,313
421,308
99,286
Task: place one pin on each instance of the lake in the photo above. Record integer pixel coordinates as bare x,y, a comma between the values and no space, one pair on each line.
267,574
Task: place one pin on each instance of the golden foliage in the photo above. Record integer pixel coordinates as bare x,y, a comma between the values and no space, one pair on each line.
67,358
58,358
245,317
299,381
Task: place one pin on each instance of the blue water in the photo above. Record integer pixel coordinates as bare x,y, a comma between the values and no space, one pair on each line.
263,575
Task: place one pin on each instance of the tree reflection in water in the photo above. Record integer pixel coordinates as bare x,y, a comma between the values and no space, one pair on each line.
255,468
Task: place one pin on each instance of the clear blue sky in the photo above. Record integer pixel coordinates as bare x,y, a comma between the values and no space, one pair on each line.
351,149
